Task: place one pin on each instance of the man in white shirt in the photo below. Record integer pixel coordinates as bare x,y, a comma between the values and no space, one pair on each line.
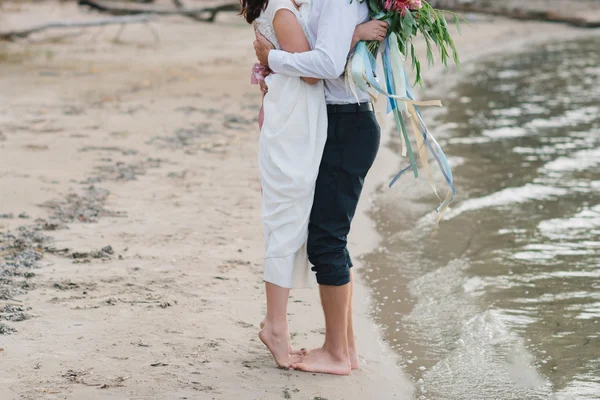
352,144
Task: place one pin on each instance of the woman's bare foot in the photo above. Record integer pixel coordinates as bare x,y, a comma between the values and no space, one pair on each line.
278,344
300,352
322,361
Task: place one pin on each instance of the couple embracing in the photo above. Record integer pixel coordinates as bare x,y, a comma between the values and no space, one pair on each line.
316,146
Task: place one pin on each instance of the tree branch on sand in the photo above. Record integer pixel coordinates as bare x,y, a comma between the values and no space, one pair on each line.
179,5
132,19
206,14
516,11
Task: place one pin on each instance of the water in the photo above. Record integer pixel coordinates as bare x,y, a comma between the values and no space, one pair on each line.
504,301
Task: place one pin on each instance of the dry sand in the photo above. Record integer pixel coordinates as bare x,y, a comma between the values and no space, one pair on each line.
150,148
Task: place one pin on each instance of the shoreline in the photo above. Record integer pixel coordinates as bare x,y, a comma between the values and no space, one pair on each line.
474,47
176,316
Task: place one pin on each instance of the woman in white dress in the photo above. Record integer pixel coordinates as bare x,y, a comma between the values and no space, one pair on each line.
293,135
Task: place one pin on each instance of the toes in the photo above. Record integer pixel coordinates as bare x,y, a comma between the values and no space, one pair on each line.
300,366
300,352
284,365
295,359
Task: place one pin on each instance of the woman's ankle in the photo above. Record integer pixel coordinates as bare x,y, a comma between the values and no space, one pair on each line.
276,326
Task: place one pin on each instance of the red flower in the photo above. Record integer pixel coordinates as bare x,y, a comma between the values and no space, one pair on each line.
402,6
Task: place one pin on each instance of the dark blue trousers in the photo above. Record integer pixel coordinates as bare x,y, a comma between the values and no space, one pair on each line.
352,144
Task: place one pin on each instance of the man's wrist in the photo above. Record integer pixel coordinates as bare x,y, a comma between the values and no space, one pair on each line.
267,58
355,40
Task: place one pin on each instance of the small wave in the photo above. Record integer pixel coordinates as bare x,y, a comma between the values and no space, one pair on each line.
507,197
469,140
575,117
583,224
579,161
490,362
548,251
582,387
505,132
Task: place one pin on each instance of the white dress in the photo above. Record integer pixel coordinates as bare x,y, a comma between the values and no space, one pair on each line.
291,145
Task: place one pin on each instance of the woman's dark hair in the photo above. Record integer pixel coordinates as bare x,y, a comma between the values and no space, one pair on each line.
251,9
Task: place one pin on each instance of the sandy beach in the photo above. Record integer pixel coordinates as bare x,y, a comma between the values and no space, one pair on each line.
129,186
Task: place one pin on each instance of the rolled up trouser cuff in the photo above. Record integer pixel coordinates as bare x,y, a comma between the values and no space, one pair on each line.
333,275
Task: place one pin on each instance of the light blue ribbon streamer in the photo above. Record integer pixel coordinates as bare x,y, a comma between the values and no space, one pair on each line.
391,84
362,69
365,62
387,66
436,150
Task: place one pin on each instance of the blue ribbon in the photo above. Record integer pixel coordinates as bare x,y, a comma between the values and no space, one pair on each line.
363,74
438,153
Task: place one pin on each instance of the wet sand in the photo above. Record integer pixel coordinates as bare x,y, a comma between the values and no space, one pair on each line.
129,168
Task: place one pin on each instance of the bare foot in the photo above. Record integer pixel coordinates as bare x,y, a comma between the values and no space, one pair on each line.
300,352
353,358
278,344
322,361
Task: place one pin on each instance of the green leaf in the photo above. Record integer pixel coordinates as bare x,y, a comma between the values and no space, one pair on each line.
443,20
444,55
456,59
407,26
374,6
465,20
457,22
430,59
410,17
401,46
393,23
418,79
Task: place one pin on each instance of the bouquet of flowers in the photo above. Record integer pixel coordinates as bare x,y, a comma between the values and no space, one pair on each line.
407,19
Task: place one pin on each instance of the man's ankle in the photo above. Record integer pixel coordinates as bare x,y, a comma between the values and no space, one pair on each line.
338,352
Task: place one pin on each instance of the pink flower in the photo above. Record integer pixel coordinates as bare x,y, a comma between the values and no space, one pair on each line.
415,5
402,6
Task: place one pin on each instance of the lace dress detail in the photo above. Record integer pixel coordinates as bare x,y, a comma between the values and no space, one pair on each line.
264,23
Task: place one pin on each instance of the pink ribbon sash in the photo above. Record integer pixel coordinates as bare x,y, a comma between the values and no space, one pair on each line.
259,73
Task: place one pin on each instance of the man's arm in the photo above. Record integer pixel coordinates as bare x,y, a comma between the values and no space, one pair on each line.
327,60
290,36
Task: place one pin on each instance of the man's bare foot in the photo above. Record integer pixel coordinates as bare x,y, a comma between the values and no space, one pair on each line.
322,361
353,358
300,352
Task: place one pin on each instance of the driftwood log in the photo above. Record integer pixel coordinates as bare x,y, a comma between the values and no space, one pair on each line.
119,20
206,14
575,17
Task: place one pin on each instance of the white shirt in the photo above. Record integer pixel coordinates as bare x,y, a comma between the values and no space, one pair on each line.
330,29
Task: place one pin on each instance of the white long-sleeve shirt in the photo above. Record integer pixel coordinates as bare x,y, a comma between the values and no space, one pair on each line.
331,26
